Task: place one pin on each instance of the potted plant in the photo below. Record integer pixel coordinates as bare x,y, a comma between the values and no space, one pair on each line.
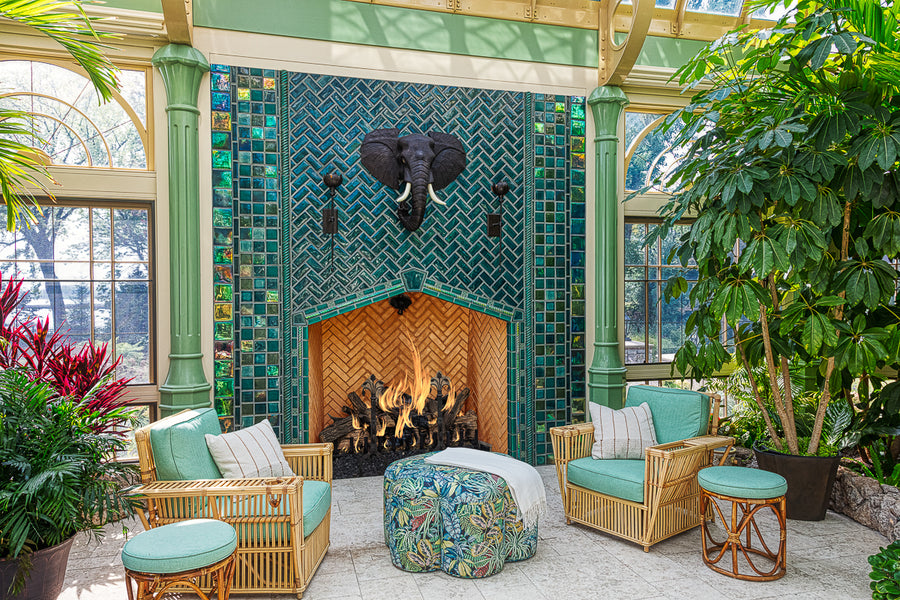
791,173
56,479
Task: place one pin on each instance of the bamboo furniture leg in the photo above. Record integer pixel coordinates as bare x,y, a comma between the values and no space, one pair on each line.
741,529
152,586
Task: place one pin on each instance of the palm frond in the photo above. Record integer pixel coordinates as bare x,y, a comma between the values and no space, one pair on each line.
69,25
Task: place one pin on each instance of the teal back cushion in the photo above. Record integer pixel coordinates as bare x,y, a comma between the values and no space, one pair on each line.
677,414
179,446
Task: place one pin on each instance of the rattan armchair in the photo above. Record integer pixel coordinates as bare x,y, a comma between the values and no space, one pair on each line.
274,555
671,496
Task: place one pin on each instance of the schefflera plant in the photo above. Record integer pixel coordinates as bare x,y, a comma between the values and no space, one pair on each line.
791,173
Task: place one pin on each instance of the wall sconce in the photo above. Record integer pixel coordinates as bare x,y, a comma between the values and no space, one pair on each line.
495,220
330,215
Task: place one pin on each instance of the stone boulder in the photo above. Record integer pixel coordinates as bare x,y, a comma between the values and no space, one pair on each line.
868,502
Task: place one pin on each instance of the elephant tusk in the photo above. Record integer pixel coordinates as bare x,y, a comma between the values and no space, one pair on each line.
405,194
434,197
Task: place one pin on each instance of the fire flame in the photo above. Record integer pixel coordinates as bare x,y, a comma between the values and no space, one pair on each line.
408,394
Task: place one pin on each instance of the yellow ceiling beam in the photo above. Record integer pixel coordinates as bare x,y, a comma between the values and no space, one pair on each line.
583,14
179,19
616,60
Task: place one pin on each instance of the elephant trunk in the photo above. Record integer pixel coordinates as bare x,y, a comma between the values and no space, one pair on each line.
412,212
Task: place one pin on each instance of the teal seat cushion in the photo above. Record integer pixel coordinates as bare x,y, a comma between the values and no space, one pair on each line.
316,502
179,446
741,482
614,477
179,547
677,414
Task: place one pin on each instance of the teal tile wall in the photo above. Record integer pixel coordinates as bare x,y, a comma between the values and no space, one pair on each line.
246,246
275,133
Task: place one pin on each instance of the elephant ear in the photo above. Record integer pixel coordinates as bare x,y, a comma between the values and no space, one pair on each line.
378,154
449,159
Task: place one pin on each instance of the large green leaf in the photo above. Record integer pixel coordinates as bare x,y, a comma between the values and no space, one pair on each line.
764,255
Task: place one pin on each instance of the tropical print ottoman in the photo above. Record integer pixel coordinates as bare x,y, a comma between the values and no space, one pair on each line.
457,520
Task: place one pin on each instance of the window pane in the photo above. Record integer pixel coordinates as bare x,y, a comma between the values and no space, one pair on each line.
90,300
131,238
653,328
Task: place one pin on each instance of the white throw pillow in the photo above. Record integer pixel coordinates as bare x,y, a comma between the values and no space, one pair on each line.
624,433
250,452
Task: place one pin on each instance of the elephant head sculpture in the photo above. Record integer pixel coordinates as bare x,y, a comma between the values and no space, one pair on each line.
416,165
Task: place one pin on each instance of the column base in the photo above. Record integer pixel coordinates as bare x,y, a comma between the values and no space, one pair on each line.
606,386
176,398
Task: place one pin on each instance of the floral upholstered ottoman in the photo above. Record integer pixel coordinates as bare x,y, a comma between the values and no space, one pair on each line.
458,520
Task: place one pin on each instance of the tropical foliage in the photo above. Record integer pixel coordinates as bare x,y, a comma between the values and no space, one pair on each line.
22,164
791,172
885,573
55,476
80,371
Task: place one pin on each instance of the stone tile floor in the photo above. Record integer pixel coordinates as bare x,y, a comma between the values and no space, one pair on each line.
825,559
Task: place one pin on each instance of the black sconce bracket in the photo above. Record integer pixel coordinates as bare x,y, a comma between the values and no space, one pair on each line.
330,215
495,220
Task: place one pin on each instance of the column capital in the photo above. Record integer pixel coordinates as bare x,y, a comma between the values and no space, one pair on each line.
606,104
182,68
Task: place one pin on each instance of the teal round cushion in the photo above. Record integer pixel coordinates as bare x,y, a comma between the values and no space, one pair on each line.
742,482
179,547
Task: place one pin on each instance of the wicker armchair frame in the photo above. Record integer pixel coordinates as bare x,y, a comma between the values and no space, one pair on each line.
671,492
274,554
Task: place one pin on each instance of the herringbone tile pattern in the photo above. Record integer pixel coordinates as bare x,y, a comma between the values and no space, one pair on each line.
370,341
328,118
487,378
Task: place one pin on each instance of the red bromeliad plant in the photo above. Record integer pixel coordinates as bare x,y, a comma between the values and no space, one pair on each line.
51,356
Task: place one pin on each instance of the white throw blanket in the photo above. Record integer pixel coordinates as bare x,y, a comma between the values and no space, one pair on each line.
523,480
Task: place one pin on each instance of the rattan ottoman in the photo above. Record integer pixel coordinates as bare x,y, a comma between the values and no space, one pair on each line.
458,520
749,491
191,555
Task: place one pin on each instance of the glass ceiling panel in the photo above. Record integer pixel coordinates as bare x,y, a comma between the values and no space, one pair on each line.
659,3
718,7
773,13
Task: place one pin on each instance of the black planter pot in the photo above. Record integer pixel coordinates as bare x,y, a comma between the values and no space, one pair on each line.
48,573
810,480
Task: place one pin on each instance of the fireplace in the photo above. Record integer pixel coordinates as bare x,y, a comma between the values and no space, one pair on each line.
466,346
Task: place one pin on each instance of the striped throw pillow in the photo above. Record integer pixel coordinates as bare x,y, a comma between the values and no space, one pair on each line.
250,452
624,433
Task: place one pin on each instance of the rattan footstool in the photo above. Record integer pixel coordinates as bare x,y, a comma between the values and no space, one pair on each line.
749,491
195,554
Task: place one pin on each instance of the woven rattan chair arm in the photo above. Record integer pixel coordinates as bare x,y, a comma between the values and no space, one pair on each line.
572,430
219,487
312,461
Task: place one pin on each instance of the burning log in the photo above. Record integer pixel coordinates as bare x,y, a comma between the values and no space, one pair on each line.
376,423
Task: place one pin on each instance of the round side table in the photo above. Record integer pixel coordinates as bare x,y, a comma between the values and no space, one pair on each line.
181,554
749,491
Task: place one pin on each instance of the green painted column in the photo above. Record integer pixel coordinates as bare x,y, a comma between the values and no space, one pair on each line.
182,68
606,375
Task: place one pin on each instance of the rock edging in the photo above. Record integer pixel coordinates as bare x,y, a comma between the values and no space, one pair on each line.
866,501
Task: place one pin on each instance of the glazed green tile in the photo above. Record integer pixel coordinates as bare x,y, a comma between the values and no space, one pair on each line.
243,94
224,331
221,140
224,388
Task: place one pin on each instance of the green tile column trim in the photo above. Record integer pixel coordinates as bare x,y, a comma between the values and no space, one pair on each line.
182,68
606,375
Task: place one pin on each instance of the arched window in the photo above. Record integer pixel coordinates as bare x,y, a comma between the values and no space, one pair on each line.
649,152
654,330
75,129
